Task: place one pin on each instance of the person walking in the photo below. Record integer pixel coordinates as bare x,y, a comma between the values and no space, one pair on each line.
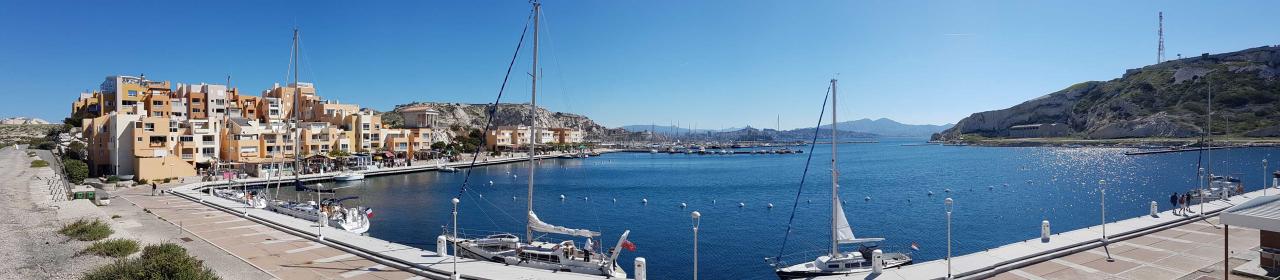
1186,203
1173,199
153,188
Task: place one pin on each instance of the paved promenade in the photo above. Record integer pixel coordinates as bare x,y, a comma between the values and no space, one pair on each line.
1166,246
303,235
278,253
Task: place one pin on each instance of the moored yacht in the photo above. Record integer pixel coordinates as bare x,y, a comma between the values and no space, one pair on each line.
836,262
250,198
351,219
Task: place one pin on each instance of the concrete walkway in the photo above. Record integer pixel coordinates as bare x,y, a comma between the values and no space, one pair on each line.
1164,246
280,254
426,263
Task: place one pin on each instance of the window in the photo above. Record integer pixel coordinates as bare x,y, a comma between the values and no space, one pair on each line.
219,111
207,151
157,103
157,114
133,93
195,100
149,127
186,138
207,138
248,150
195,110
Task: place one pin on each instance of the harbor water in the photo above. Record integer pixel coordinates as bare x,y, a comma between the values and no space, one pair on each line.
1001,196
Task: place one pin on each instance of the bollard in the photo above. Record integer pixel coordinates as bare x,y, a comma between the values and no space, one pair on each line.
1154,209
442,245
877,261
1044,231
640,265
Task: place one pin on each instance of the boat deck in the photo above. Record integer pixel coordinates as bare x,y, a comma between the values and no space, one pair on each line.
1165,246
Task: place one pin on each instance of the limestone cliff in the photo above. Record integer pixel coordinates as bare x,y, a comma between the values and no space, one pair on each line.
475,115
1169,99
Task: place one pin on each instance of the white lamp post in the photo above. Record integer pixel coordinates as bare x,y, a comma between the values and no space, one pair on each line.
1102,186
1264,177
697,218
948,202
1203,180
455,239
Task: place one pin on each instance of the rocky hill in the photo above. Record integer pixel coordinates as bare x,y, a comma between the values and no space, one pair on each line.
475,115
1169,99
22,120
888,127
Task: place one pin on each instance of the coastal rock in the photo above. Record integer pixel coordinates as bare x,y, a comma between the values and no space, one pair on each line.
1169,99
22,120
475,116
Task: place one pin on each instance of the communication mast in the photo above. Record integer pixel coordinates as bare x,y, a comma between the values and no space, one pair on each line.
1160,32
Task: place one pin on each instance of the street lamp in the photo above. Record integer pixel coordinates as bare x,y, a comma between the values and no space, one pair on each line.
1102,185
455,239
697,219
948,202
1264,177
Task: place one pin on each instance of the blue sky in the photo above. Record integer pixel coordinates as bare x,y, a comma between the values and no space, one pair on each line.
715,64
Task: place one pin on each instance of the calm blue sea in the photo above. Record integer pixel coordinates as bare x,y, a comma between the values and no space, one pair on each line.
1001,196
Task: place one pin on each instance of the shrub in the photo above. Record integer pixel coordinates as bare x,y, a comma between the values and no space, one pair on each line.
39,163
114,248
164,261
76,170
115,216
141,181
85,230
166,180
113,179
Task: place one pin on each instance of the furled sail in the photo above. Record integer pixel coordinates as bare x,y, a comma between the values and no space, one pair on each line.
844,233
540,226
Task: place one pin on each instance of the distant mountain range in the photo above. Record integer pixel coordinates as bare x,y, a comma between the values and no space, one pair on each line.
888,127
671,130
862,128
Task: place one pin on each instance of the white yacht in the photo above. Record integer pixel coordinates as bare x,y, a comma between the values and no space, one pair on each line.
351,219
836,262
349,176
250,198
540,251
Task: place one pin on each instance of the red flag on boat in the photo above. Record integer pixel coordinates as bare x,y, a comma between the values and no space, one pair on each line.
915,246
626,244
368,212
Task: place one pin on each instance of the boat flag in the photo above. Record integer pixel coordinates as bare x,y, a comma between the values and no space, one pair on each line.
368,212
626,244
915,246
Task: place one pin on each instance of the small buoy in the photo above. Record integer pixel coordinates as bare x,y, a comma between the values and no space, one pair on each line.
490,182
991,187
585,198
770,206
562,197
644,200
515,176
809,201
615,200
740,204
481,195
682,205
713,201
513,198
947,190
867,198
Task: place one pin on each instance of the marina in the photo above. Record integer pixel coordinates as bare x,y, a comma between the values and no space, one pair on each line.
412,208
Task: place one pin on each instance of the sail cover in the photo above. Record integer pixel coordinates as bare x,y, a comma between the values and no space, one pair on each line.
844,233
540,226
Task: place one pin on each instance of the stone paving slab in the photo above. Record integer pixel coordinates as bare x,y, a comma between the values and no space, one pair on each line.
423,260
1165,246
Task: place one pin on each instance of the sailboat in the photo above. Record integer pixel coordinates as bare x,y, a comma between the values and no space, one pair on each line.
562,255
351,219
837,262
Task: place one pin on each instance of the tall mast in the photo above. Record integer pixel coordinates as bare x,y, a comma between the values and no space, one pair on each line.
297,165
835,174
1209,130
533,120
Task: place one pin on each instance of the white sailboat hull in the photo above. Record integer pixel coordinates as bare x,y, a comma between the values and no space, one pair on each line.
540,255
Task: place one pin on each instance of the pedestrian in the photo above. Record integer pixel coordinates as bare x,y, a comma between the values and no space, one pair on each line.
1186,203
153,188
1173,199
586,250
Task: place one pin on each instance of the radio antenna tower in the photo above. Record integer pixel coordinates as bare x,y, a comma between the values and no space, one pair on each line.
1160,48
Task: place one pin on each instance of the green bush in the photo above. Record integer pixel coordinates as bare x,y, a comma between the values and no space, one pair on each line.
114,248
164,261
76,170
85,230
113,179
166,180
141,181
39,163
